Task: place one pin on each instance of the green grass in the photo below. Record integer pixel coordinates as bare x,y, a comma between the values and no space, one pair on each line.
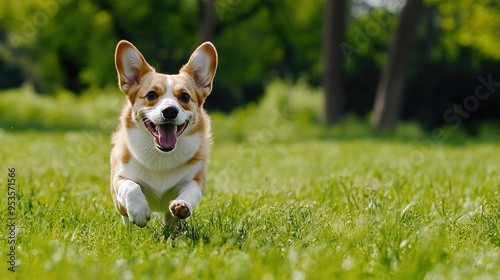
285,200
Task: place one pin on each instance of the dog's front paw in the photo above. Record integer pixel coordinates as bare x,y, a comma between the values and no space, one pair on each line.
139,214
180,209
138,211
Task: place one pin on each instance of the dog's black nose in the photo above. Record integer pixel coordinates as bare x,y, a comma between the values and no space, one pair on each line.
170,113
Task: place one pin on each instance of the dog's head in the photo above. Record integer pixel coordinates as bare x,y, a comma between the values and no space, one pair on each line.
165,105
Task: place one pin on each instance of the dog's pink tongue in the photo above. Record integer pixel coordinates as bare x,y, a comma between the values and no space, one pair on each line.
167,135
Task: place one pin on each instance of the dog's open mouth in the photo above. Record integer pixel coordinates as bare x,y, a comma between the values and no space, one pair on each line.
165,134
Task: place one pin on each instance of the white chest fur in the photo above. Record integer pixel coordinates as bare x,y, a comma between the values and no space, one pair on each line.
160,174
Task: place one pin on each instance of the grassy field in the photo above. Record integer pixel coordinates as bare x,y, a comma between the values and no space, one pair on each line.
286,199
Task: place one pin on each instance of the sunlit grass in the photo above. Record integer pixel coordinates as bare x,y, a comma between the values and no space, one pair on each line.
280,204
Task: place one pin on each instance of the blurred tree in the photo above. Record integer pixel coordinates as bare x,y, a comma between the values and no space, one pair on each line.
207,26
390,88
334,26
367,38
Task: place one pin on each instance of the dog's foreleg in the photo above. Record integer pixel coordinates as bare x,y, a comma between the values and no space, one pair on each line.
188,199
129,195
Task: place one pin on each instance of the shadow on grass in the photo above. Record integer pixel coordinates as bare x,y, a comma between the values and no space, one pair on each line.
184,233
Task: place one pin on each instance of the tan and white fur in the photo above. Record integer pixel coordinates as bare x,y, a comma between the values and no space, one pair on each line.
163,141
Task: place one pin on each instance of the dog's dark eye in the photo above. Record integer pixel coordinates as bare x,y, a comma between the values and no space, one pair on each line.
185,97
151,95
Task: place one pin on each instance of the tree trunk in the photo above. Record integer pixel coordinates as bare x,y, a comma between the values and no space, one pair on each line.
334,26
207,26
390,87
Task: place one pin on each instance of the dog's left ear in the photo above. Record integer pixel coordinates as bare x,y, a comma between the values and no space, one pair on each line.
202,66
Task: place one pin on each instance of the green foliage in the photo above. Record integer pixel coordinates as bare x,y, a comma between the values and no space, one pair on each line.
66,44
23,109
470,23
59,45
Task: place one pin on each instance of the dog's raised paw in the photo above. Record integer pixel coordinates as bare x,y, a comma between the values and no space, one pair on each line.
180,209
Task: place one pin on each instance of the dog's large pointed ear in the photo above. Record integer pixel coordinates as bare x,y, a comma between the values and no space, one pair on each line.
130,65
202,66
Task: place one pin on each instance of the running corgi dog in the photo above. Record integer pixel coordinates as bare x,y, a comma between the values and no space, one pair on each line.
163,141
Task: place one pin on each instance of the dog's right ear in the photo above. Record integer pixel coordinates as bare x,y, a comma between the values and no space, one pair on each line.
130,65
